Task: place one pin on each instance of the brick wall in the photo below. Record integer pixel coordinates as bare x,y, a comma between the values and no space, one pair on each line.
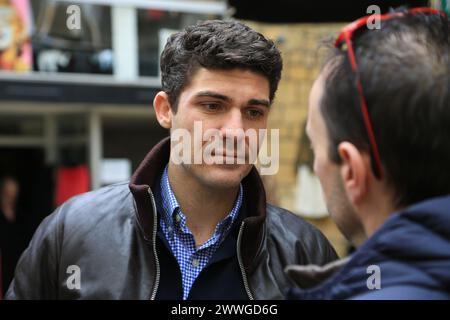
301,48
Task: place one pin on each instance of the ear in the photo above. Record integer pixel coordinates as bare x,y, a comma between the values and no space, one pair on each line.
163,109
355,171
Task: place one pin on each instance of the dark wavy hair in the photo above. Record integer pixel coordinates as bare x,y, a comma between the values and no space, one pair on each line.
217,44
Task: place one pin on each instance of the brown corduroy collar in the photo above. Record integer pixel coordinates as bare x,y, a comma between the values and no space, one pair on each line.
254,196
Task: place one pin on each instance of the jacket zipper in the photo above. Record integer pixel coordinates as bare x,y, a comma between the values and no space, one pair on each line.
158,272
155,228
241,265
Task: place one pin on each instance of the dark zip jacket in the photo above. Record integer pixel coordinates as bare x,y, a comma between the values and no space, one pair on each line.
409,254
105,245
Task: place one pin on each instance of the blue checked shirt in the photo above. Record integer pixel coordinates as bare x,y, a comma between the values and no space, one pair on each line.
191,259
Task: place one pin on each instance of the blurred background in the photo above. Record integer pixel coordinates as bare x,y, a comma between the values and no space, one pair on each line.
77,80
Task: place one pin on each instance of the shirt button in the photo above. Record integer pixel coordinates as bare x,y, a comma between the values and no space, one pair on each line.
178,217
169,229
195,263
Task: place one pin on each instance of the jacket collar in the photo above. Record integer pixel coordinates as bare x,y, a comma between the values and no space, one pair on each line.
254,196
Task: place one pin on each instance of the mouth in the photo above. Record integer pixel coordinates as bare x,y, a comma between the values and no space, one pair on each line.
229,155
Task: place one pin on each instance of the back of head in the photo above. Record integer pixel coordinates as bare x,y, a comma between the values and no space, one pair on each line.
404,69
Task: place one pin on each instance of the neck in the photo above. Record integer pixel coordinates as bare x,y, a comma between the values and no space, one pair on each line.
203,206
377,211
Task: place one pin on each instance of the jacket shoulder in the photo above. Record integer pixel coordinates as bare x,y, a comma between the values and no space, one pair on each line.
96,205
81,232
307,242
284,222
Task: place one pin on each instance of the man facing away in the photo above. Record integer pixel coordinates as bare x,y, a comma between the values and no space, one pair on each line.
183,229
381,138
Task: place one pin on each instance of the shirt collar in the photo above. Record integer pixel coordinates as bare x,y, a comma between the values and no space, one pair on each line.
170,207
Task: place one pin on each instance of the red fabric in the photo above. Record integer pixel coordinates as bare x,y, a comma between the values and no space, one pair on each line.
155,14
70,182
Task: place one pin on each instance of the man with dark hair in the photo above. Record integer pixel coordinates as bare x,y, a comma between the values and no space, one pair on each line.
182,228
379,124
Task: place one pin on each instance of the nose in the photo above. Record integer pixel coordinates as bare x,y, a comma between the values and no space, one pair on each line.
233,131
233,121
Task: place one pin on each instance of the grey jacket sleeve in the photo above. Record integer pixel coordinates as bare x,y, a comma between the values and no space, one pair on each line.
36,274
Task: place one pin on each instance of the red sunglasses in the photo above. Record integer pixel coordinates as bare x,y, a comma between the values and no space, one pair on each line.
346,37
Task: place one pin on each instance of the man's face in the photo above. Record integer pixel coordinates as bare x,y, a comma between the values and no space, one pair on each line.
227,101
339,206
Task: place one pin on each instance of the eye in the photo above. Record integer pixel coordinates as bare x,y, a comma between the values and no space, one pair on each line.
254,113
211,106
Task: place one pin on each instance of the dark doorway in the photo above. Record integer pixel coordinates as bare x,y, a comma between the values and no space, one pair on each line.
35,180
27,166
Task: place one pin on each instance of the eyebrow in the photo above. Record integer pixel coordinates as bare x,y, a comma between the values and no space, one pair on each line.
260,102
212,94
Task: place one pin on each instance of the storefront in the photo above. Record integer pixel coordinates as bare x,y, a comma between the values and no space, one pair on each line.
76,99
